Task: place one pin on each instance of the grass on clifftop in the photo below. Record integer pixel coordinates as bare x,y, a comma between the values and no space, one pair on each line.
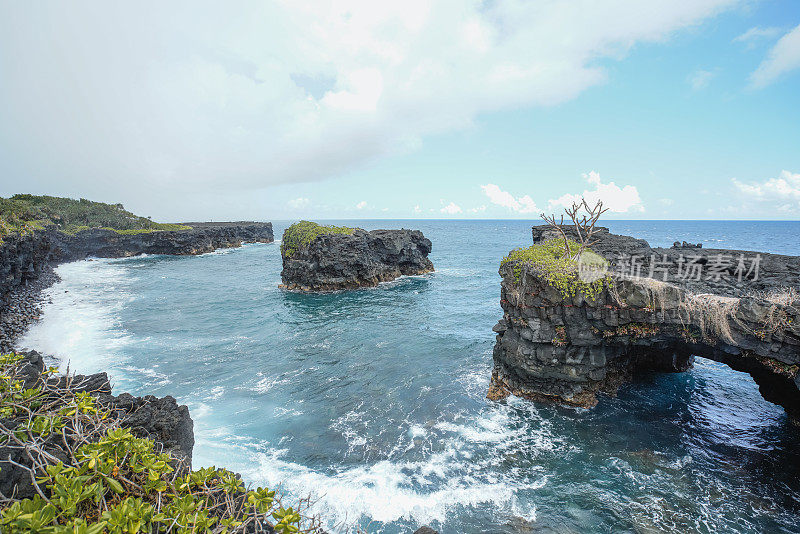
22,214
301,234
91,476
549,260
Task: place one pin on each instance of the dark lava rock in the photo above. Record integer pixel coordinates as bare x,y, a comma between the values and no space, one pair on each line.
567,349
159,419
632,256
202,238
425,530
362,259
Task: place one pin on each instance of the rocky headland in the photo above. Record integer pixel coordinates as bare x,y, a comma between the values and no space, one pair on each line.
569,333
198,238
330,258
27,260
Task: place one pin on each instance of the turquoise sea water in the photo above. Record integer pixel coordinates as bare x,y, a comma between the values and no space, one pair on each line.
372,401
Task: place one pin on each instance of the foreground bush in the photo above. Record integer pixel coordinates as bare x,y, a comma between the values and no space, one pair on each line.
90,475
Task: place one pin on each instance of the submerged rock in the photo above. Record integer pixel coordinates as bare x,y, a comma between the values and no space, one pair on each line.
560,345
318,258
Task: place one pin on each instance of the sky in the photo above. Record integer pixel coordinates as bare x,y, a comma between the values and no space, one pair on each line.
193,110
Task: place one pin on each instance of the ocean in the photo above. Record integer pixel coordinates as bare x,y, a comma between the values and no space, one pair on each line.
373,403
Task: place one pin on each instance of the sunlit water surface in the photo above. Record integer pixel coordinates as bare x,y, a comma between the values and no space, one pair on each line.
374,400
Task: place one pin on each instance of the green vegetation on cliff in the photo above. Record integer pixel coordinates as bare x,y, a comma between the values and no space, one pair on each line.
570,277
300,234
92,476
22,214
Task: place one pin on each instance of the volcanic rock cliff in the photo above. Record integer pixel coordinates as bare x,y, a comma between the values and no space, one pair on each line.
567,348
353,258
26,260
201,238
22,257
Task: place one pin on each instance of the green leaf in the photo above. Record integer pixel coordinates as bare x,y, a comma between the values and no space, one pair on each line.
114,485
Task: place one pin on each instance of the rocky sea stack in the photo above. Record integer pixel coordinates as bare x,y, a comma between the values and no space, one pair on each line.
566,336
329,258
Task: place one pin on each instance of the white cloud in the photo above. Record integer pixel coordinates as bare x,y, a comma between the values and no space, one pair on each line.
451,209
169,96
782,58
417,209
666,201
756,34
783,192
617,199
299,203
361,205
478,209
523,204
700,79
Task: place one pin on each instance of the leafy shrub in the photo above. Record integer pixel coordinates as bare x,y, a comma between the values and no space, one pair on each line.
549,260
301,234
21,214
94,476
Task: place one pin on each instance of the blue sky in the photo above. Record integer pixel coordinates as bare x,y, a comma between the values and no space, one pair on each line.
678,111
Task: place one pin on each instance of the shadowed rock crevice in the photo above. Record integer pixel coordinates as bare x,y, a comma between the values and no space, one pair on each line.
568,349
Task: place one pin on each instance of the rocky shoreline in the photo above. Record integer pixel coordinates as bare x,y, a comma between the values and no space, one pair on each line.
567,348
27,262
338,261
200,239
28,268
22,306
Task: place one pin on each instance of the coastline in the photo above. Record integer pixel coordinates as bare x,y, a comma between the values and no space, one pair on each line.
301,307
23,306
167,424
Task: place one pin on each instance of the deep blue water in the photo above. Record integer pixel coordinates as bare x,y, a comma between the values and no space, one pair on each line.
373,400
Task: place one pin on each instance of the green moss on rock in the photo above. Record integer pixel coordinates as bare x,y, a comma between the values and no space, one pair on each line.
301,234
549,260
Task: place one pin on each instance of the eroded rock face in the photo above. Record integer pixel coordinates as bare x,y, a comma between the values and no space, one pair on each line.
159,419
567,350
22,258
363,259
202,238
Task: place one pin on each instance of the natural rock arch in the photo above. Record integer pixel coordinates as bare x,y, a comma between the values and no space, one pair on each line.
567,349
